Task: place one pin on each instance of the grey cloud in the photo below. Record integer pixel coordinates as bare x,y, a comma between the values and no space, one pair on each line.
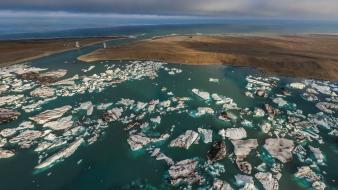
327,9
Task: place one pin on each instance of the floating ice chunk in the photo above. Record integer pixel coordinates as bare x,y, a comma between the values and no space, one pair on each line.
233,133
6,153
214,169
3,88
60,124
185,140
221,185
49,115
227,116
317,154
265,127
113,114
156,120
259,112
201,94
309,97
87,106
160,156
280,148
37,106
242,148
322,89
246,123
8,132
249,186
104,106
280,102
43,146
26,138
65,153
140,105
217,98
243,179
138,141
306,173
267,180
206,135
249,94
52,75
7,115
203,110
297,85
184,171
10,99
165,104
213,80
43,92
126,102
327,107
89,69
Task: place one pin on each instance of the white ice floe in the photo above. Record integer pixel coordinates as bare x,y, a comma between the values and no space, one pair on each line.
138,141
60,124
201,94
204,110
280,148
49,115
43,92
267,180
184,171
242,148
88,106
297,85
185,140
215,80
206,135
50,161
6,153
233,133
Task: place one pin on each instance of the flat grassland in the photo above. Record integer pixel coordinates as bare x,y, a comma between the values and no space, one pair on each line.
17,51
304,56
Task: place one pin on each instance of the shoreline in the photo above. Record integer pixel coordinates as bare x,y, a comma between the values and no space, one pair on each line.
44,42
302,56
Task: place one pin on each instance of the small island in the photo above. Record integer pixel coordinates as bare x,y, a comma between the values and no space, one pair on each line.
304,56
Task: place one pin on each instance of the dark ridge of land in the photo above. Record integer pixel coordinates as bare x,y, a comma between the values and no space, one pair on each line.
304,56
17,51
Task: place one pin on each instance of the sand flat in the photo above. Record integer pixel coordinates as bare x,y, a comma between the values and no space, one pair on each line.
305,56
16,51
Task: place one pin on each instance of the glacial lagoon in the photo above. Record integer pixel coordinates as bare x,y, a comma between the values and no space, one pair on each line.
154,125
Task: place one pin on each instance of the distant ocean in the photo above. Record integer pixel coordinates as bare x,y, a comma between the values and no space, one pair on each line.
50,27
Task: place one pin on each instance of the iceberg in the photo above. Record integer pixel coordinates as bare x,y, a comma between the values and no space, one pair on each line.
7,115
242,148
206,135
6,153
280,148
57,157
60,124
233,133
49,115
185,140
201,94
184,171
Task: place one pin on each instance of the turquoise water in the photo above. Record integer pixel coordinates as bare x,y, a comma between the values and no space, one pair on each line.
109,162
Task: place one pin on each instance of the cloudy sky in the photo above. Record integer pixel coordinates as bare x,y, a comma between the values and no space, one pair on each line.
288,9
